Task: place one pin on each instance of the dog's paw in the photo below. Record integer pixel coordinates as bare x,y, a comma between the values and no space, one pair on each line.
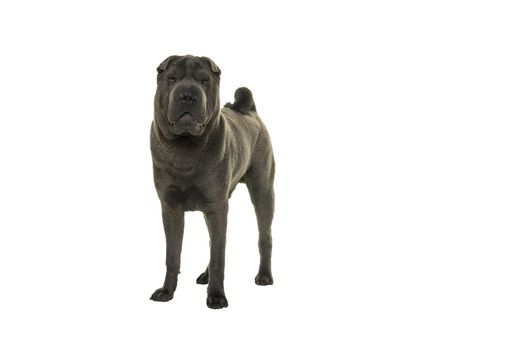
263,279
203,278
162,294
216,301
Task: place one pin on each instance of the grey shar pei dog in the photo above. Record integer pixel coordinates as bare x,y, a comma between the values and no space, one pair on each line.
200,153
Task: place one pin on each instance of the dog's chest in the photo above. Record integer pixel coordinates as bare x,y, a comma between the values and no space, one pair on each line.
184,197
185,189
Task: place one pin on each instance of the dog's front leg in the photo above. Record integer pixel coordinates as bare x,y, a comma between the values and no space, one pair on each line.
173,221
216,220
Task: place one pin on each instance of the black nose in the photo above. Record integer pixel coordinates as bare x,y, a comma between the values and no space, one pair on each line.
187,98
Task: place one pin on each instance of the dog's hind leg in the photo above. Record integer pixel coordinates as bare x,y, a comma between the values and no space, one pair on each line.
259,181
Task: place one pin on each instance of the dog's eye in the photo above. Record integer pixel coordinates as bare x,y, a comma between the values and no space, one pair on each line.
172,79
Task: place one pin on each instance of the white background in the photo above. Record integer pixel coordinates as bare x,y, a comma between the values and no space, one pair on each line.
398,130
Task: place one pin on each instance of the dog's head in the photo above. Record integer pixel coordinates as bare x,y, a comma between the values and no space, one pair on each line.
187,95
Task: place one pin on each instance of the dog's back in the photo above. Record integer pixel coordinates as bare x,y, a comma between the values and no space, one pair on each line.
249,138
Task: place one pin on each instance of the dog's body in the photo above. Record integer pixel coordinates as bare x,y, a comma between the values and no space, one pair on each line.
200,153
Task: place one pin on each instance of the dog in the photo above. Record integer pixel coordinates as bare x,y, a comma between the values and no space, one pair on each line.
200,152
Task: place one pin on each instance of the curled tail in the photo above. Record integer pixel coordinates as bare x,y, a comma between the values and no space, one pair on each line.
244,102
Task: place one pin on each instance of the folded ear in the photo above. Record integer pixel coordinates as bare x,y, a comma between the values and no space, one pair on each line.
213,67
164,65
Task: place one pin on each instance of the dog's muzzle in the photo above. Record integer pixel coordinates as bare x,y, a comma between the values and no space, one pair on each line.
186,124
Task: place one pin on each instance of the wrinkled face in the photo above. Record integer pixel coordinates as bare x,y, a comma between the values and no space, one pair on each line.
187,95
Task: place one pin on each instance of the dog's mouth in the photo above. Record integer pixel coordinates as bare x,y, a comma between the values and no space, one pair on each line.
186,124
